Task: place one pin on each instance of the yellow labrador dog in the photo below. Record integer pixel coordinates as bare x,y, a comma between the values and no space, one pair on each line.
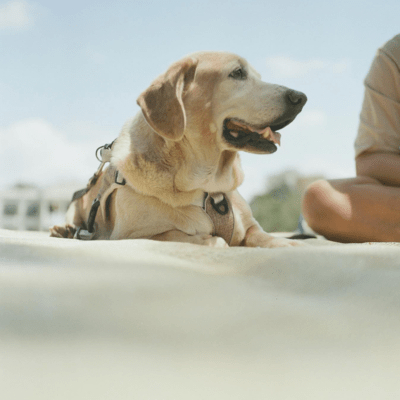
176,163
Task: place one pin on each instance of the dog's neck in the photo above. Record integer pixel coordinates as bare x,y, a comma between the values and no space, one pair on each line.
213,173
170,170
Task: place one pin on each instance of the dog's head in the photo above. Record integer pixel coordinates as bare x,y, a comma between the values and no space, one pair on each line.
219,99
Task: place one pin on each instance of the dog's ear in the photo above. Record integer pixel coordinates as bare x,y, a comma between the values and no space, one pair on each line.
162,104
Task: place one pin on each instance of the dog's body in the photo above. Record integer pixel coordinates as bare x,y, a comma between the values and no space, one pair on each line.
184,143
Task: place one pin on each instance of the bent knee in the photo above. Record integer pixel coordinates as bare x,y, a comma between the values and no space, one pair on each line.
323,205
315,199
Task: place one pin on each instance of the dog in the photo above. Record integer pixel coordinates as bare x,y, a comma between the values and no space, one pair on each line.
176,163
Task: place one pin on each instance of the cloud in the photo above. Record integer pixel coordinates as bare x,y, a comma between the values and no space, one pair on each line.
34,151
288,67
16,15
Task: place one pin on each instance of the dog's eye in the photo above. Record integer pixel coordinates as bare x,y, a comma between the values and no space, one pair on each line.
238,73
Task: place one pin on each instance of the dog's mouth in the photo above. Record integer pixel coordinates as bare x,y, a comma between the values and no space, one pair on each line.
244,136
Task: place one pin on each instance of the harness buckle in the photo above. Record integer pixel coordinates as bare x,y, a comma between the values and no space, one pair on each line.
119,179
218,207
222,208
83,234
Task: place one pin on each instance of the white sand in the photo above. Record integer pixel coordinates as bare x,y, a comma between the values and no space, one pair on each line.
148,320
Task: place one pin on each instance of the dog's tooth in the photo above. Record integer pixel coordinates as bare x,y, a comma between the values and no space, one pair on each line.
276,138
234,134
267,133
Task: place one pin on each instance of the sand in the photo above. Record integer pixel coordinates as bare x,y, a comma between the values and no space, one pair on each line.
139,319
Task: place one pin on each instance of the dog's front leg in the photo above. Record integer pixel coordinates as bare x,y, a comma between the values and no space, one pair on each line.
179,236
256,237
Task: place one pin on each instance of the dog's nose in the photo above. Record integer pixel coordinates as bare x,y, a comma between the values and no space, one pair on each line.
296,98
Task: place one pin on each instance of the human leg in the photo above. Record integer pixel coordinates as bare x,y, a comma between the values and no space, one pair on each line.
353,210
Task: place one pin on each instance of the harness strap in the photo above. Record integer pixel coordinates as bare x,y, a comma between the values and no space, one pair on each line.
111,176
105,157
219,209
109,179
79,193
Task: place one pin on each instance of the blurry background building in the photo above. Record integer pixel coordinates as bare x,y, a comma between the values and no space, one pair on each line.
28,207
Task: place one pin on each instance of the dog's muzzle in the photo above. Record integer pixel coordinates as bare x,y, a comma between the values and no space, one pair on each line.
247,137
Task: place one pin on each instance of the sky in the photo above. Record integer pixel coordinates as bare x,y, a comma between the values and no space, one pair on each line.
70,74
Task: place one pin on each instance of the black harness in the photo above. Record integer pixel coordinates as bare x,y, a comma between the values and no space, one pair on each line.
103,154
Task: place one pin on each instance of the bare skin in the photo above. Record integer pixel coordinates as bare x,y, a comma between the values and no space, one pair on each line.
361,209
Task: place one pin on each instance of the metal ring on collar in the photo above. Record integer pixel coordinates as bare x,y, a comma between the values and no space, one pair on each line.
97,150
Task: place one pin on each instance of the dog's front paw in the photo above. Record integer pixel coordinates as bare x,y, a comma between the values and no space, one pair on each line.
67,231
